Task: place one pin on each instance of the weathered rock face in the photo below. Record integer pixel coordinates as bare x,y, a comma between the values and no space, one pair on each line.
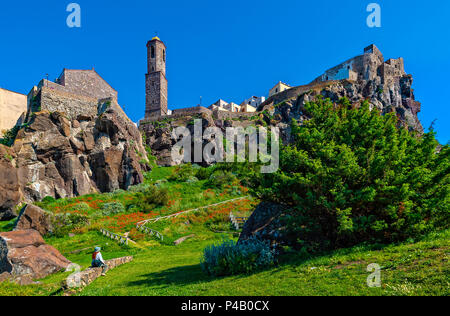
395,95
33,217
159,135
56,157
24,253
265,223
10,191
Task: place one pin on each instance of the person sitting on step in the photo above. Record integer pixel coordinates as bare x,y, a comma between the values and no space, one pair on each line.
98,262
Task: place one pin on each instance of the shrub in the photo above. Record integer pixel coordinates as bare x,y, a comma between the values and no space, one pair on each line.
66,222
151,198
220,178
82,206
48,199
230,258
139,188
204,173
182,173
113,208
353,175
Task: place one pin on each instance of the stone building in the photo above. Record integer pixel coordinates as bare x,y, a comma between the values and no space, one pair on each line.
155,79
368,66
247,108
254,101
75,92
12,107
279,87
221,105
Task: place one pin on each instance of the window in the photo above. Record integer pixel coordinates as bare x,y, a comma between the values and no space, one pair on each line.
164,55
153,51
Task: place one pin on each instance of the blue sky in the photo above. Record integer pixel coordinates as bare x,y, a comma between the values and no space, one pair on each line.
225,49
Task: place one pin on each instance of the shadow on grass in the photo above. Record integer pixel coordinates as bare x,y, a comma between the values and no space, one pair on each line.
183,275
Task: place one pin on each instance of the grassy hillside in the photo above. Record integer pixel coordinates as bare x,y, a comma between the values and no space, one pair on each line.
161,268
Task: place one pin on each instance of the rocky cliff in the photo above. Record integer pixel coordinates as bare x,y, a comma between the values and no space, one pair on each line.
395,95
58,157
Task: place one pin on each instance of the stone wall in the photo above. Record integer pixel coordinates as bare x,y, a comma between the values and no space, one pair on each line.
88,276
12,106
82,82
368,66
54,100
155,79
156,94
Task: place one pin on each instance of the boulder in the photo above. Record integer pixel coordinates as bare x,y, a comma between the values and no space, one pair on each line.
24,255
266,223
55,157
33,217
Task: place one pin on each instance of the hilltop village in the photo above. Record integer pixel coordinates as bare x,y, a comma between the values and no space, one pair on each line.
79,91
70,136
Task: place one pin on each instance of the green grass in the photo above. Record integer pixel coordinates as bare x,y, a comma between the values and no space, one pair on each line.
407,269
160,268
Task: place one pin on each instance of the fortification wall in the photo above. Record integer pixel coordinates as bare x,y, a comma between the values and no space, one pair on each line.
192,110
59,101
82,82
222,115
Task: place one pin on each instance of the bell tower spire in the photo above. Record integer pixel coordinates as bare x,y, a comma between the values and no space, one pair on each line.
156,81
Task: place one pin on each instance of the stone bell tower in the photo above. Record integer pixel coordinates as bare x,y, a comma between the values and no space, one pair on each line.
155,79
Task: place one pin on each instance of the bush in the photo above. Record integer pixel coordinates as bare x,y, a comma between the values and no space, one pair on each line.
230,258
48,199
113,208
220,178
65,223
82,206
353,175
182,173
139,188
151,198
204,173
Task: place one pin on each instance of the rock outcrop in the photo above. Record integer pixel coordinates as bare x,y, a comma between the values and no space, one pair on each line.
10,190
33,217
266,223
25,254
57,157
394,96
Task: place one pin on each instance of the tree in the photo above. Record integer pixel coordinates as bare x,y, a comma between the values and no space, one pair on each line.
353,175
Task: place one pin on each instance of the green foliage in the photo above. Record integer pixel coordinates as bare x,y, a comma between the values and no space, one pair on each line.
66,222
113,208
10,136
230,258
151,197
48,199
220,178
182,173
82,207
353,175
